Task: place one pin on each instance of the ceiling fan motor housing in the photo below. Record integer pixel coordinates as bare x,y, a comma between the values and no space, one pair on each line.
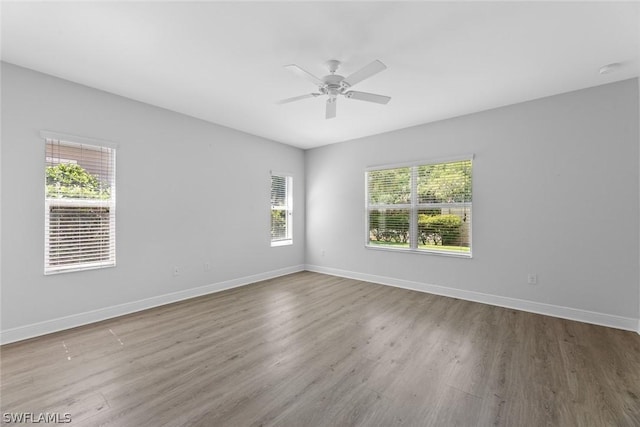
332,84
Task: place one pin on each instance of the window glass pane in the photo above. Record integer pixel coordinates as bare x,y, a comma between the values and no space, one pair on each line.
78,234
278,190
444,182
445,229
389,227
78,171
389,186
278,224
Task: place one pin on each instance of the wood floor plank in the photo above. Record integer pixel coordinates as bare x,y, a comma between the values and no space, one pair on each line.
315,350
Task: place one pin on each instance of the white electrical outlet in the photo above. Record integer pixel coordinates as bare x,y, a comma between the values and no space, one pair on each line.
532,279
176,271
322,252
207,266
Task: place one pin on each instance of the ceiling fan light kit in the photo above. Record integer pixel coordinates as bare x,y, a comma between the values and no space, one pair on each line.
333,85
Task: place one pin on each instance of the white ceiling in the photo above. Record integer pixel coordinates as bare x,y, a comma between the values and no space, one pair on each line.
223,61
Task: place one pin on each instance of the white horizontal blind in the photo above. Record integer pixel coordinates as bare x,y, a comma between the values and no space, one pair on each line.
79,206
281,209
423,207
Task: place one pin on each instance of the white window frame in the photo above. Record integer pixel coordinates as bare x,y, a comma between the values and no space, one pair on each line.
288,207
62,202
413,207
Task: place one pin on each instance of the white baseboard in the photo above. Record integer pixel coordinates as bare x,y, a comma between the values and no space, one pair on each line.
42,328
602,319
67,322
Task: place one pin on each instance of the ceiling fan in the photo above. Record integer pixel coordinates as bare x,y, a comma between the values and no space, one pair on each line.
334,84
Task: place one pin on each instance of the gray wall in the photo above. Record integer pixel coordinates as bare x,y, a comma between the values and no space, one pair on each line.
188,192
555,193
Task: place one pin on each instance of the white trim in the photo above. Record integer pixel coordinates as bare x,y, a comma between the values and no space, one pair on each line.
280,173
602,319
79,267
424,162
458,254
75,320
45,134
80,203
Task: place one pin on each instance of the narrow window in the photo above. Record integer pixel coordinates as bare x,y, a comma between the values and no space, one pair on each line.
80,204
424,207
281,210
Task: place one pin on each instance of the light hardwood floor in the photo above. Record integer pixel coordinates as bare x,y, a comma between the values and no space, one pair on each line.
314,350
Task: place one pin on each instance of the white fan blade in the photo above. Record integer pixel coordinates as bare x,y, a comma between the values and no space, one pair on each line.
305,74
364,96
331,108
297,98
364,73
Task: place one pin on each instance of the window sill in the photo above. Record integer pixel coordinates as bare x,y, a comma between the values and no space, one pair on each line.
282,243
421,251
79,267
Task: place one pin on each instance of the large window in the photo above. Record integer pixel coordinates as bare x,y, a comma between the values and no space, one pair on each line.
80,203
423,207
281,210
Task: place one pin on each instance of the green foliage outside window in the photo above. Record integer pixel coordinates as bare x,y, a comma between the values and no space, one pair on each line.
69,180
390,186
390,225
278,224
439,229
444,183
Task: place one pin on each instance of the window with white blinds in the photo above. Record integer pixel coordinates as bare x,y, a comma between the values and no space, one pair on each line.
80,202
423,207
281,210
